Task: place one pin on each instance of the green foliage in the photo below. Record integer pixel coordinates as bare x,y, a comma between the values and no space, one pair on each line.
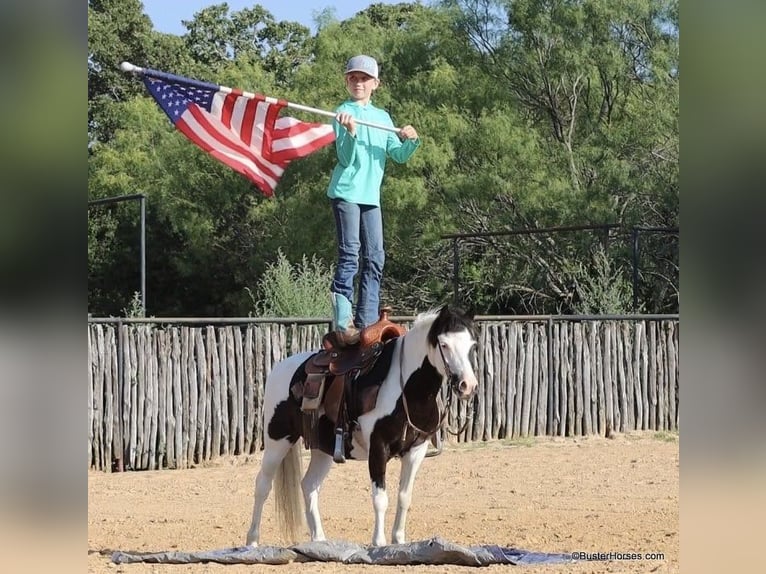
215,38
300,290
532,114
135,308
602,289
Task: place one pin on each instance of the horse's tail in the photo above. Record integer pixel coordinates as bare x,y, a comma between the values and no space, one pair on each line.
288,495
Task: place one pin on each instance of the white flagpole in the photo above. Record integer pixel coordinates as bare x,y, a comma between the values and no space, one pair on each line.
128,67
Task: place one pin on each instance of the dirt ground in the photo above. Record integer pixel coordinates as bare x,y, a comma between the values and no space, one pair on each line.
544,494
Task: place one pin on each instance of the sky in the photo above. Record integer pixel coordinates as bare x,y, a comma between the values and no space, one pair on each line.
166,15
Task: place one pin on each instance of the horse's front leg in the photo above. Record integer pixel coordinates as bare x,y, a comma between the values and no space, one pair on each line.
377,460
410,465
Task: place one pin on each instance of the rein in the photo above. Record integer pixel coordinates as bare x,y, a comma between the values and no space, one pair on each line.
465,421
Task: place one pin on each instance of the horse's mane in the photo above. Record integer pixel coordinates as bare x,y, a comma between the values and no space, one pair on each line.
426,317
424,320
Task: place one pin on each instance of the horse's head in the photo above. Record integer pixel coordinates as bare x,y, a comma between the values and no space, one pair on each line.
451,340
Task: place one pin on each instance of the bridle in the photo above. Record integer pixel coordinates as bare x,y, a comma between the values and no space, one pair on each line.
451,377
452,384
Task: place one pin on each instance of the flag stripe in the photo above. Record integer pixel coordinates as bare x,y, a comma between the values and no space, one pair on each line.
259,125
227,110
237,163
287,149
268,135
248,120
224,137
209,134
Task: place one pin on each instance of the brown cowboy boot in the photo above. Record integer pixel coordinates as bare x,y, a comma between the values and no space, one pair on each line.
343,325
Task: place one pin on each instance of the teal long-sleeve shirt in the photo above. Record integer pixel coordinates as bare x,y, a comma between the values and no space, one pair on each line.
361,159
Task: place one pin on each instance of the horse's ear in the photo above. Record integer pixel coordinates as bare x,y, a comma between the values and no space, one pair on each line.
444,311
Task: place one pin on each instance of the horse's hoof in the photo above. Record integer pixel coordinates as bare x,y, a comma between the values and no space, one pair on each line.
339,458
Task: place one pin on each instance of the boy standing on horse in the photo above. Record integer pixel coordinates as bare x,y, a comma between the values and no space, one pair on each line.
354,191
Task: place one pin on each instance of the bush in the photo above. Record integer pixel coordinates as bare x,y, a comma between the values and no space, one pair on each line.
300,290
603,289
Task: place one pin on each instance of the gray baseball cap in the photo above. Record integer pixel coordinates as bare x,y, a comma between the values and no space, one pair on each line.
365,64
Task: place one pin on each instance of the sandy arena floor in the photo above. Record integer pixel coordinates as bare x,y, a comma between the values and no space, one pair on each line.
550,495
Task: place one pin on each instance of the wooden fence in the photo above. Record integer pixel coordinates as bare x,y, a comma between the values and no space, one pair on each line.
170,396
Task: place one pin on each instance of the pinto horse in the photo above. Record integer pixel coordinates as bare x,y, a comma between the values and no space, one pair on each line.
407,412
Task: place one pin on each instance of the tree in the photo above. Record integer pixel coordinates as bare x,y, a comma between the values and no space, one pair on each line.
598,82
117,31
215,38
532,114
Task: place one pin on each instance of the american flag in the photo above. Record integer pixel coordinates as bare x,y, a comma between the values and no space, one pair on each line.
244,131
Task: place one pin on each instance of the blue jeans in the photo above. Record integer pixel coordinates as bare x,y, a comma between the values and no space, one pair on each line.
360,232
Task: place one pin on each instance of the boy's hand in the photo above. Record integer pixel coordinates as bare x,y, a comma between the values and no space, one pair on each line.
408,133
347,121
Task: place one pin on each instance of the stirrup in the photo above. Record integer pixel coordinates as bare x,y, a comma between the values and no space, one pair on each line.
338,455
436,443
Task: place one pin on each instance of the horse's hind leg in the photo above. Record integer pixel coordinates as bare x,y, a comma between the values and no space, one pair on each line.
273,454
410,465
312,481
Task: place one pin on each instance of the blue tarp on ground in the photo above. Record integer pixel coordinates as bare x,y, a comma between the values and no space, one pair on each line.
433,551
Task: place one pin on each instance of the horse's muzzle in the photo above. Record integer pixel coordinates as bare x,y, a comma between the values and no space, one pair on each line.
463,387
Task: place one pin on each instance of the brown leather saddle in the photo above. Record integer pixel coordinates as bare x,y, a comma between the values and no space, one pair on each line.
332,369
